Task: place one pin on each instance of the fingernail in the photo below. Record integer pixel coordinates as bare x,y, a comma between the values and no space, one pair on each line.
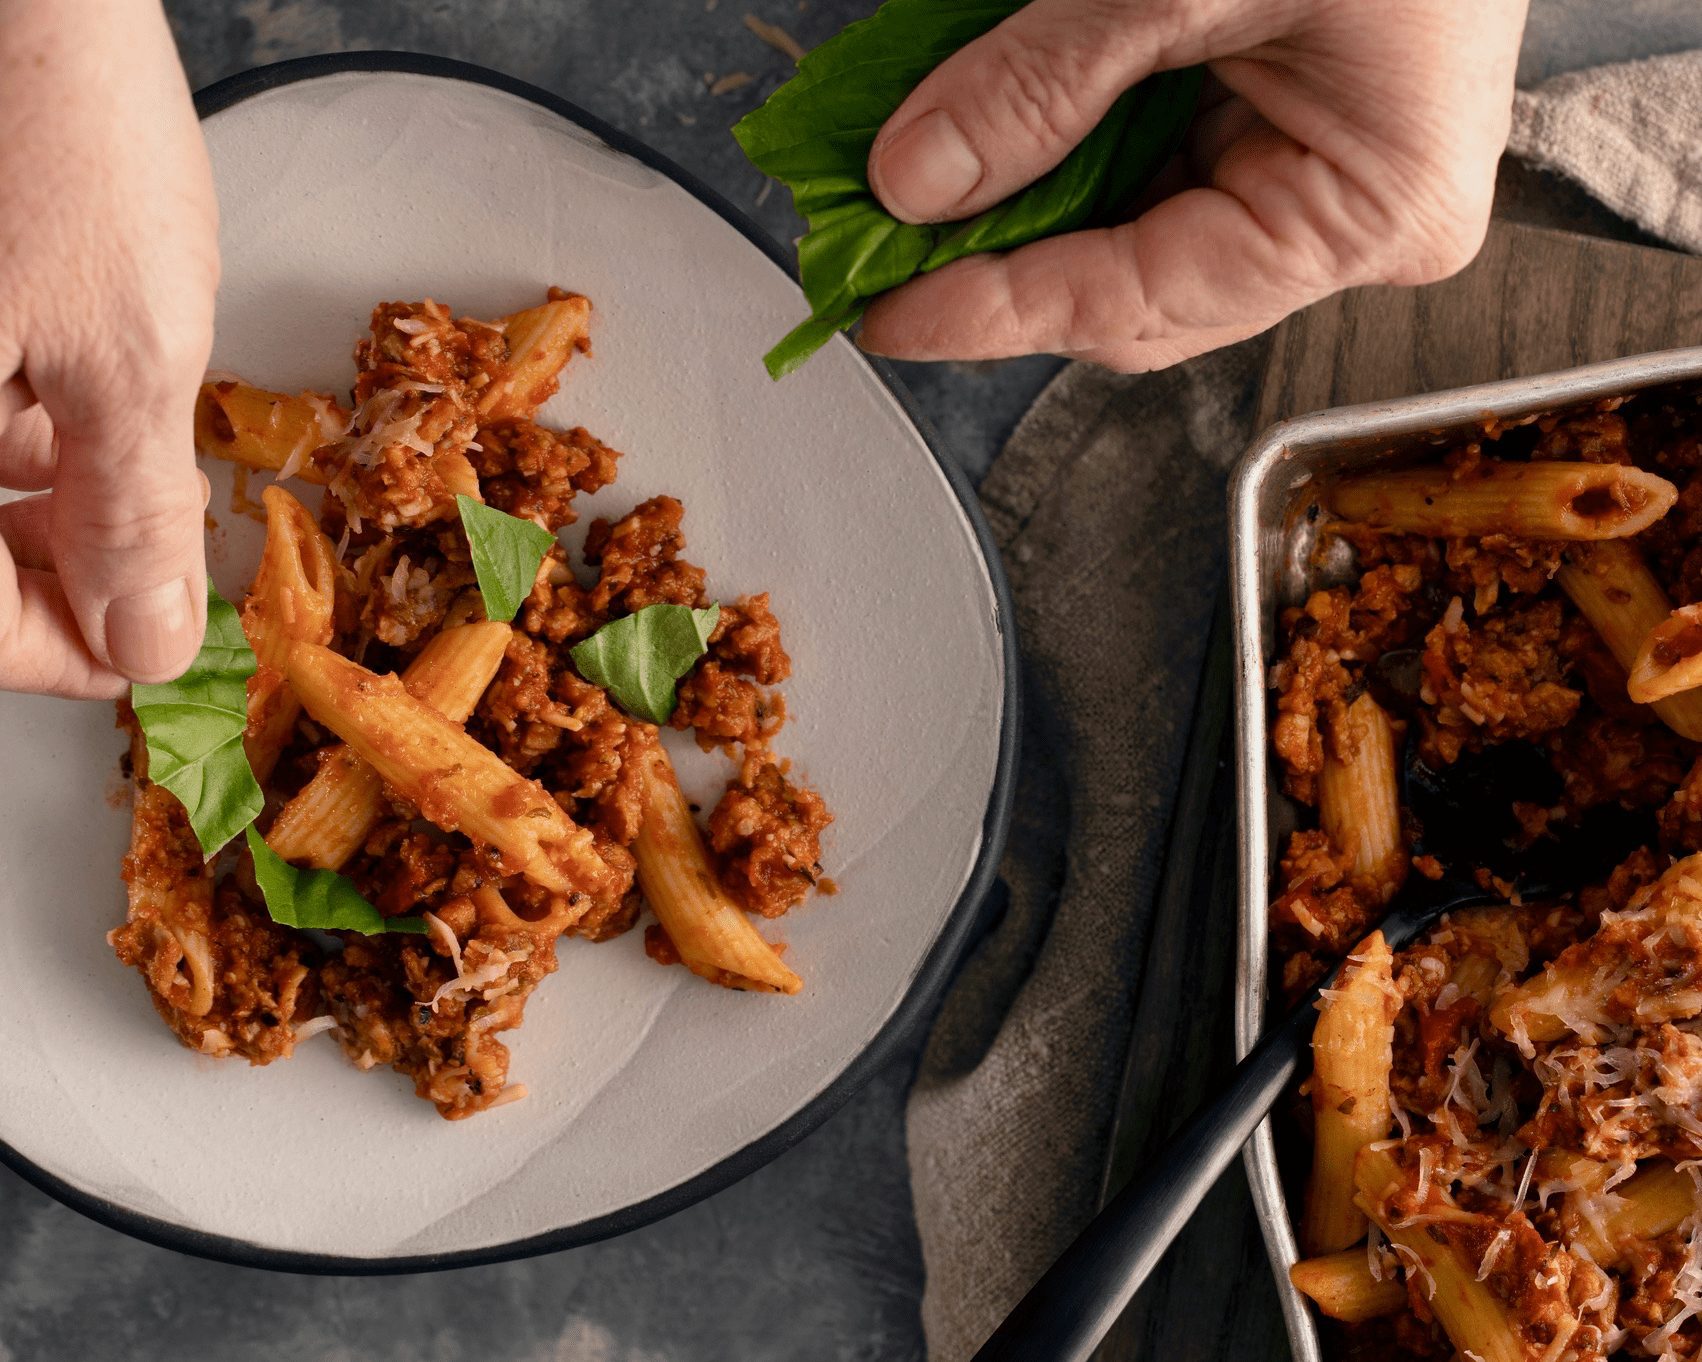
206,489
150,635
927,169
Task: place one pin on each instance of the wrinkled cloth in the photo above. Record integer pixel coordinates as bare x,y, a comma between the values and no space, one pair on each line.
1628,133
1108,506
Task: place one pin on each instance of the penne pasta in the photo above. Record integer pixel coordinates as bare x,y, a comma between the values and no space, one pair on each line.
1342,1287
268,430
1579,992
456,783
713,935
1655,1201
292,601
457,474
1670,658
540,342
1477,1322
328,820
1537,500
1614,590
491,908
1352,1053
1359,803
170,904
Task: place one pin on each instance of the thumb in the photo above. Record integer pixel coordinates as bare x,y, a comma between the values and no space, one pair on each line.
127,526
1004,110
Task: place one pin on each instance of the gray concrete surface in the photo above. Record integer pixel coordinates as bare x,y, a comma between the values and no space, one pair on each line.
814,1258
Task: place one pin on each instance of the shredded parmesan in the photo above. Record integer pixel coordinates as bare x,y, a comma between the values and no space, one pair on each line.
1502,1238
1525,1182
1415,1266
314,1026
441,933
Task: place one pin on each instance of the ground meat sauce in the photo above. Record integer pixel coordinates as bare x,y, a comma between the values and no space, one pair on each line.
1544,1052
768,832
230,981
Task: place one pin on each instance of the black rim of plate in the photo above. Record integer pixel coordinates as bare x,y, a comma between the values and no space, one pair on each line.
936,968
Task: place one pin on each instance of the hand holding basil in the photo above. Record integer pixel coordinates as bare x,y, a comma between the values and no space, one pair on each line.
814,135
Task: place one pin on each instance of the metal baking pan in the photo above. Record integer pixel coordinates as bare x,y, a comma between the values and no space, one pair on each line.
1272,537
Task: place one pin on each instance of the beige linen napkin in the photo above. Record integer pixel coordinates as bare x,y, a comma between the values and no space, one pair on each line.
1108,505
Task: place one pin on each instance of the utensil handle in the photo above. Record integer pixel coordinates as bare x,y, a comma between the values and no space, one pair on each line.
1069,1310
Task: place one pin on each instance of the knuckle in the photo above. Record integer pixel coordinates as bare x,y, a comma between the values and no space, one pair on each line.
1439,217
1439,253
1030,93
111,523
162,352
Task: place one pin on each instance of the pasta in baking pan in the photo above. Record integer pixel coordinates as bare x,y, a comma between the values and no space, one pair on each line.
439,745
1505,1119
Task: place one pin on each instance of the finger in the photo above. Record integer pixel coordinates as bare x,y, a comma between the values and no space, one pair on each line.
1279,230
27,452
26,528
15,396
1006,108
41,646
1215,130
127,521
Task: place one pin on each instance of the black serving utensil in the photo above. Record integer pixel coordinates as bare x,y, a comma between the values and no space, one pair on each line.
1468,821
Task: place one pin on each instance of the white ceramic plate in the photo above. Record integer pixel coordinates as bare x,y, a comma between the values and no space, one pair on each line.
343,181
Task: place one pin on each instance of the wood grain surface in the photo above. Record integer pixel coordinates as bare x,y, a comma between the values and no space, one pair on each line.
1534,300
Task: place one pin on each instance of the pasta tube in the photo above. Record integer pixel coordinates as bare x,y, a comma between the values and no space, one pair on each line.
491,908
1538,500
457,474
1342,1287
1614,590
326,823
1359,803
1579,992
712,934
1670,660
456,783
540,342
1474,1317
1655,1201
1352,1053
265,429
291,601
170,905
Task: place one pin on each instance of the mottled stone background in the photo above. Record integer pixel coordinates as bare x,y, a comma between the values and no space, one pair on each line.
814,1258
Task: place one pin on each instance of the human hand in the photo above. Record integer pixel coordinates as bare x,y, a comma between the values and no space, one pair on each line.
1340,143
108,264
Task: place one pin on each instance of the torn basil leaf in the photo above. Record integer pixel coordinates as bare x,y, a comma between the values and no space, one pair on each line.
506,554
193,727
317,898
640,658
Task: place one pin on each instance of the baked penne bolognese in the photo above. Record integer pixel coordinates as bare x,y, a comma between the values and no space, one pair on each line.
1505,1119
438,737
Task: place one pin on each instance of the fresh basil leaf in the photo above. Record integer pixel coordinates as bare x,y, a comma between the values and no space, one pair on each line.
317,898
506,554
814,134
194,725
804,339
640,658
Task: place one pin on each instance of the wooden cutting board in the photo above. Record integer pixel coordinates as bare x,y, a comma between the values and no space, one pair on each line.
1534,300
